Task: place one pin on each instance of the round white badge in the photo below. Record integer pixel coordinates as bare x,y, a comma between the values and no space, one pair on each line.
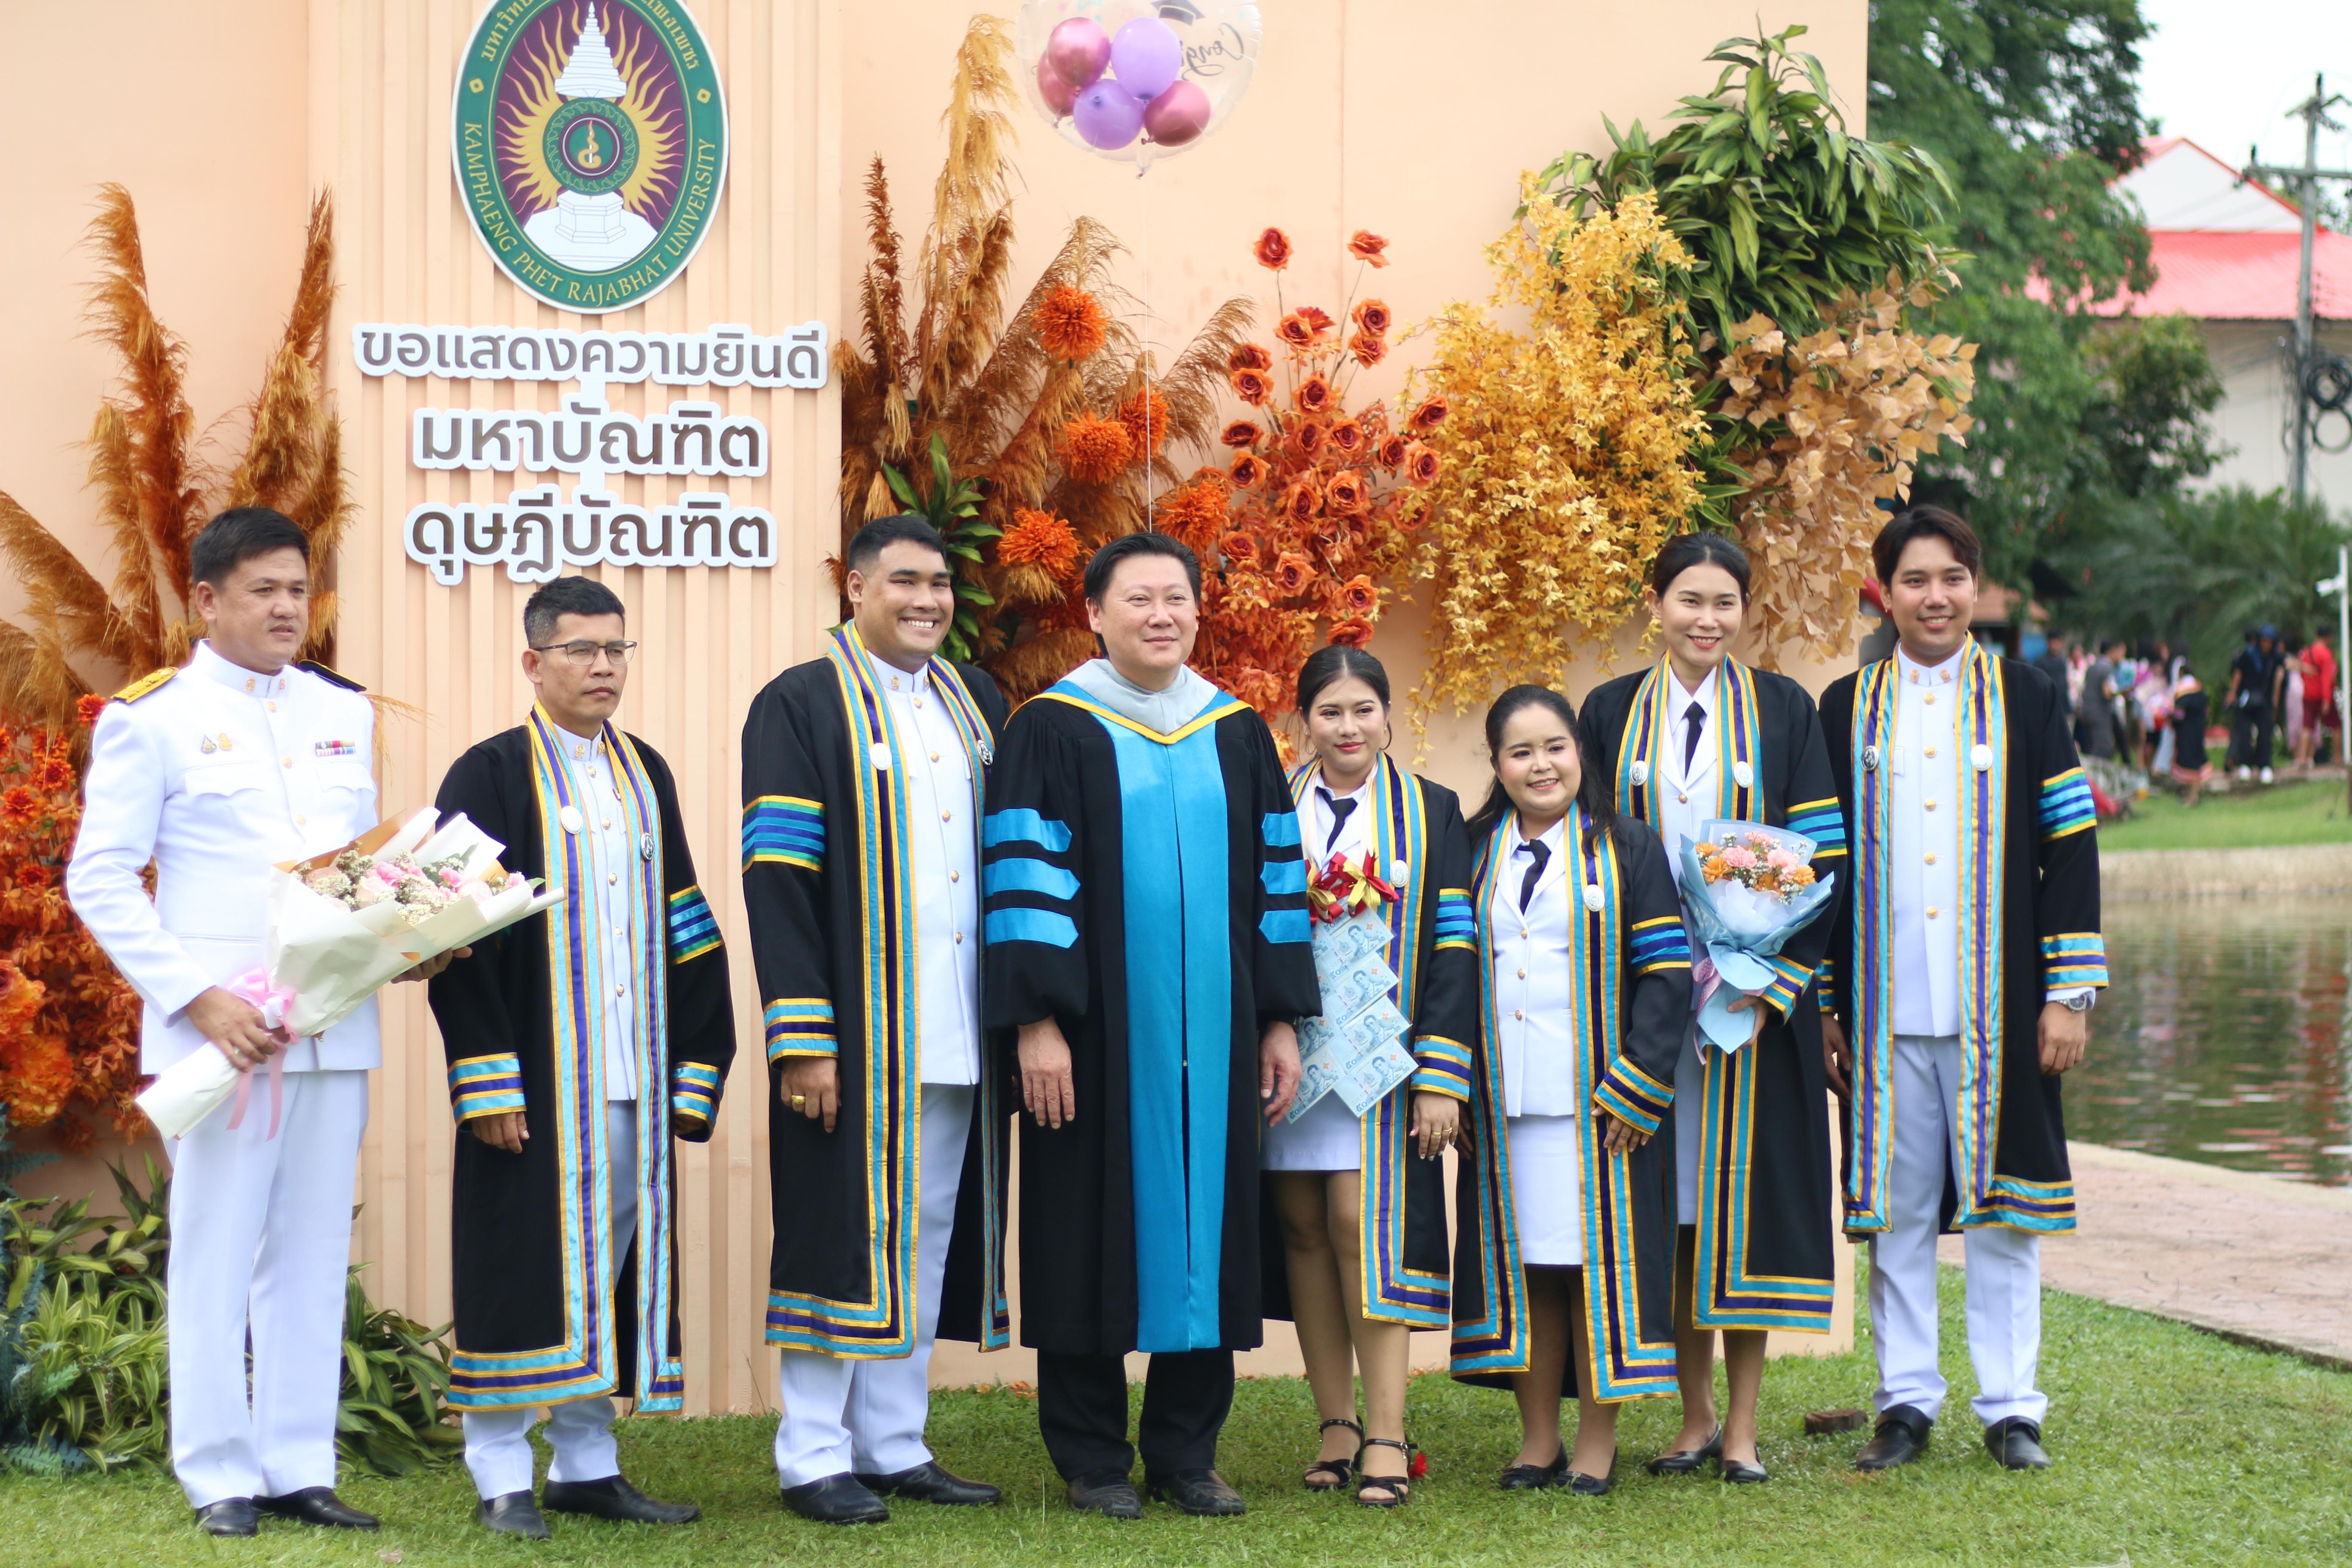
1639,772
1980,759
1870,759
646,844
570,818
880,753
1743,775
1593,898
1397,870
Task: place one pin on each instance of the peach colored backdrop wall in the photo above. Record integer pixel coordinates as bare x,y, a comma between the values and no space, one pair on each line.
1412,120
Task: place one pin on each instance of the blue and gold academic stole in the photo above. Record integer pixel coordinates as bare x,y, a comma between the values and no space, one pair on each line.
1738,745
1496,1340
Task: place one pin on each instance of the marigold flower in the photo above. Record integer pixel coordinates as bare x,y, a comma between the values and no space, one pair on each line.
1249,356
1429,416
1248,470
55,774
1366,245
1372,316
1093,450
1353,632
1314,393
7,739
1070,324
1195,514
1348,437
1145,441
1239,549
1368,349
33,874
86,708
1420,465
1040,538
1345,495
1359,596
1292,574
20,805
1391,451
1241,433
1302,502
1297,331
1251,385
1272,250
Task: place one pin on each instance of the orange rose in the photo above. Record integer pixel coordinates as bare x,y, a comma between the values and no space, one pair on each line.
1272,250
1302,502
1368,349
1372,316
1314,393
1297,331
1251,387
1359,596
1239,549
1307,437
1249,356
1247,472
1292,574
1429,416
1421,466
1241,433
1344,496
1391,451
1354,632
1366,245
1348,437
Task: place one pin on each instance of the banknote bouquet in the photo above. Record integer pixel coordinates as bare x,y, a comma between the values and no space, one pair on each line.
1747,889
1356,1048
343,925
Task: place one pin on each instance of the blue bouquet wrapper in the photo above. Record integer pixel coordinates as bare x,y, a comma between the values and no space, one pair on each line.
1741,929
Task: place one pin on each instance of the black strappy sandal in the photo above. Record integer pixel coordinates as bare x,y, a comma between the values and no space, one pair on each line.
1399,1487
1336,1470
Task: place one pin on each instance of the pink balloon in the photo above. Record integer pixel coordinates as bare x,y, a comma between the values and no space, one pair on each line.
1177,115
1058,94
1107,115
1078,50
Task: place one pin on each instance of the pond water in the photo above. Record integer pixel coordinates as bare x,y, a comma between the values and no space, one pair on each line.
2226,1036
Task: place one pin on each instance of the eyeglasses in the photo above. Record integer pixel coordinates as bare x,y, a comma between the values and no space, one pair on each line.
584,654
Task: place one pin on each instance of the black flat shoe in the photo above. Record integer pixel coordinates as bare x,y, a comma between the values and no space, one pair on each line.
1203,1494
2017,1444
1331,1475
1901,1437
836,1500
927,1482
615,1499
1109,1493
512,1513
317,1505
1682,1461
1399,1487
1740,1472
1582,1485
230,1516
1533,1478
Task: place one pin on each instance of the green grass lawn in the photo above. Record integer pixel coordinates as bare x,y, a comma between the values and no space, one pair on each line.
2292,812
2172,1447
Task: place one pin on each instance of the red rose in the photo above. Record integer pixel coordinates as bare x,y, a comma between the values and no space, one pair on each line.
1251,387
1355,631
1429,416
1272,250
1366,245
1249,356
1314,393
1420,465
1241,433
1248,468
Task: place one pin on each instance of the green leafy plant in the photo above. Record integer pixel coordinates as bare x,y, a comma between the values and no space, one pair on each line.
394,1418
952,506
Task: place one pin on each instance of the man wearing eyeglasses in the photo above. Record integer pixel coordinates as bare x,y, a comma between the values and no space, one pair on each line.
579,1046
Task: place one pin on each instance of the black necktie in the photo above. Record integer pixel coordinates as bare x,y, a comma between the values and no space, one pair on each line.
1542,852
1693,720
1341,810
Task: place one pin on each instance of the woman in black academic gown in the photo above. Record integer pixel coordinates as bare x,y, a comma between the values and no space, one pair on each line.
1703,737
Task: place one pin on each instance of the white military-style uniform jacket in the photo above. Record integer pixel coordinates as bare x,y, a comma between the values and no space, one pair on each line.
217,772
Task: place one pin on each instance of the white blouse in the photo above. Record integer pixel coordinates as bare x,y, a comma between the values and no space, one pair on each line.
1535,1038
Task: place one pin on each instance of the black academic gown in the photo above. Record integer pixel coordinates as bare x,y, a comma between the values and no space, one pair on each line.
1433,948
1146,892
2030,906
827,892
1633,958
542,1314
1765,1249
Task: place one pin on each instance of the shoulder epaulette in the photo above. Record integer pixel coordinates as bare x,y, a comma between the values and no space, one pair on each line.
154,681
328,676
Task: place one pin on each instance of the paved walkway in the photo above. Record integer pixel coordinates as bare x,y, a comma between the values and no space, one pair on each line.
2261,1260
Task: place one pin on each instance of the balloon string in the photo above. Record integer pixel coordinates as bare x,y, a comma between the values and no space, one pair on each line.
1149,526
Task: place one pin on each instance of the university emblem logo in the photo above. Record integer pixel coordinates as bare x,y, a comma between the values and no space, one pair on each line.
590,140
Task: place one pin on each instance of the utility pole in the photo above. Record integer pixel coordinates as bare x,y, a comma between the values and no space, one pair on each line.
2304,181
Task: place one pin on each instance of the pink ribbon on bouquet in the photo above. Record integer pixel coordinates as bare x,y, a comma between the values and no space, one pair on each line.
254,986
1704,980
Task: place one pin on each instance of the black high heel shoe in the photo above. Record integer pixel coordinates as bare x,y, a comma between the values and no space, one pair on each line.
1685,1460
1399,1487
1331,1475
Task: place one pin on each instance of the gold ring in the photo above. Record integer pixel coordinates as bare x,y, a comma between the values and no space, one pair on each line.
800,1099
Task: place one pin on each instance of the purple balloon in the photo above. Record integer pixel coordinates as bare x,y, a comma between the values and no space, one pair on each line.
1178,115
1107,115
1146,57
1078,49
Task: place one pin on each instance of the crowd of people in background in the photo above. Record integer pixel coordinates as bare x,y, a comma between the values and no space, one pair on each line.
2146,705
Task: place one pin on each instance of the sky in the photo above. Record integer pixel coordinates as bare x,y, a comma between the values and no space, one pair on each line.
2223,73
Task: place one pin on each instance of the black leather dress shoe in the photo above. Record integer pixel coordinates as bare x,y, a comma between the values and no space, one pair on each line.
1582,1485
1109,1493
613,1498
512,1513
1901,1437
838,1499
2017,1444
927,1482
317,1505
1533,1478
1682,1461
230,1516
1200,1493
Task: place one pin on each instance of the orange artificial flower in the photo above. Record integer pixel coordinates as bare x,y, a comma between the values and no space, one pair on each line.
1239,549
1421,466
1306,436
20,805
1366,245
1297,331
1292,574
53,774
1391,451
1251,385
1249,356
1348,437
1354,632
1359,596
1368,349
1318,318
32,874
1372,316
1429,416
1272,250
1241,433
1146,440
1040,538
1314,393
1302,502
1093,450
1247,472
86,708
1194,515
1070,324
1345,495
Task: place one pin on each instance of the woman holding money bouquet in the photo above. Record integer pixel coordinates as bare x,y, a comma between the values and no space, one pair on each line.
1703,737
1564,1267
1388,876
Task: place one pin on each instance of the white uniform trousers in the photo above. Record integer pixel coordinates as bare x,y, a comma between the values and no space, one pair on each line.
261,1236
580,1431
2004,1265
868,1417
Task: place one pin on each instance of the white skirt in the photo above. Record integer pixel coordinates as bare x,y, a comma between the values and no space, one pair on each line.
1547,1189
1327,1138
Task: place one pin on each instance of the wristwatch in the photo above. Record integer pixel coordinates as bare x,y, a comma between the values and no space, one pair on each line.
2080,1001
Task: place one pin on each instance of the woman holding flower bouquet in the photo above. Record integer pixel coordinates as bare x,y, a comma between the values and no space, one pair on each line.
1703,737
1359,1276
1564,1263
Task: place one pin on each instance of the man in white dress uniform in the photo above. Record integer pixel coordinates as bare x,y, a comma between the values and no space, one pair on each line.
215,772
